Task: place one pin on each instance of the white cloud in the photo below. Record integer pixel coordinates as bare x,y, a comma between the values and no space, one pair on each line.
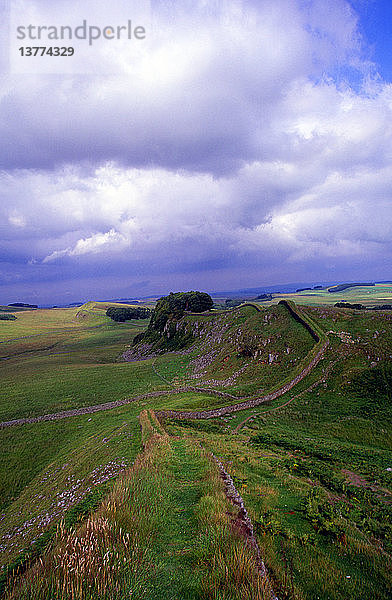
16,220
95,244
231,144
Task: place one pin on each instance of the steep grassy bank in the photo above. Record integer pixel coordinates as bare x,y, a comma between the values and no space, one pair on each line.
315,477
241,352
48,469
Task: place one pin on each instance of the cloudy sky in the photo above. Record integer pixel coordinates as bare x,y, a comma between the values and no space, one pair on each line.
241,144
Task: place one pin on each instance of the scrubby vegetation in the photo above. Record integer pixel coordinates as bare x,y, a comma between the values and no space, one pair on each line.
163,332
163,532
121,314
314,466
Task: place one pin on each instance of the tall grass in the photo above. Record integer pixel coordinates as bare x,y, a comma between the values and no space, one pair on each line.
149,539
108,555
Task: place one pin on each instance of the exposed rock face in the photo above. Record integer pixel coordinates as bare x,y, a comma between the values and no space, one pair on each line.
225,410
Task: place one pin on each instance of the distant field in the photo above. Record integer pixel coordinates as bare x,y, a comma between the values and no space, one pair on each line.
369,296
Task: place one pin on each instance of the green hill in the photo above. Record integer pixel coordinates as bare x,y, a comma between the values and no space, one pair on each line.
298,496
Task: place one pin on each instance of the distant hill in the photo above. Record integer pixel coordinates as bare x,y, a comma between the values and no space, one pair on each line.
344,286
23,305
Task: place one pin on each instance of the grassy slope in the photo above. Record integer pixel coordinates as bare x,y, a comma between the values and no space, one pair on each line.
291,466
69,363
215,361
299,448
46,469
157,535
81,368
77,371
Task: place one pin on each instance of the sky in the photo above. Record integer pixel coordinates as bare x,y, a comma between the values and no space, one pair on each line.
240,144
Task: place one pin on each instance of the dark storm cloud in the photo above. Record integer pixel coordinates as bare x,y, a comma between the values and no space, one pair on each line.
229,153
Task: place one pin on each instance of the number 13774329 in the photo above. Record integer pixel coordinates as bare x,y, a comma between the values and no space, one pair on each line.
46,51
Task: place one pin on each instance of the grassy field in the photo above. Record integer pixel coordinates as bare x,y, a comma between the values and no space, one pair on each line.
67,358
368,296
313,466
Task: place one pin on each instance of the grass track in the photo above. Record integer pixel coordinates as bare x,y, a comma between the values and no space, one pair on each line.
172,514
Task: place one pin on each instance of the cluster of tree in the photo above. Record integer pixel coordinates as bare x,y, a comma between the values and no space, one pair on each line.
381,307
350,305
7,317
121,314
23,305
174,305
264,297
169,309
344,286
362,306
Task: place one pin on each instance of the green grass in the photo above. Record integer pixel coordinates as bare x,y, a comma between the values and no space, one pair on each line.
290,467
58,462
60,370
157,535
42,388
369,296
69,362
215,360
294,465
